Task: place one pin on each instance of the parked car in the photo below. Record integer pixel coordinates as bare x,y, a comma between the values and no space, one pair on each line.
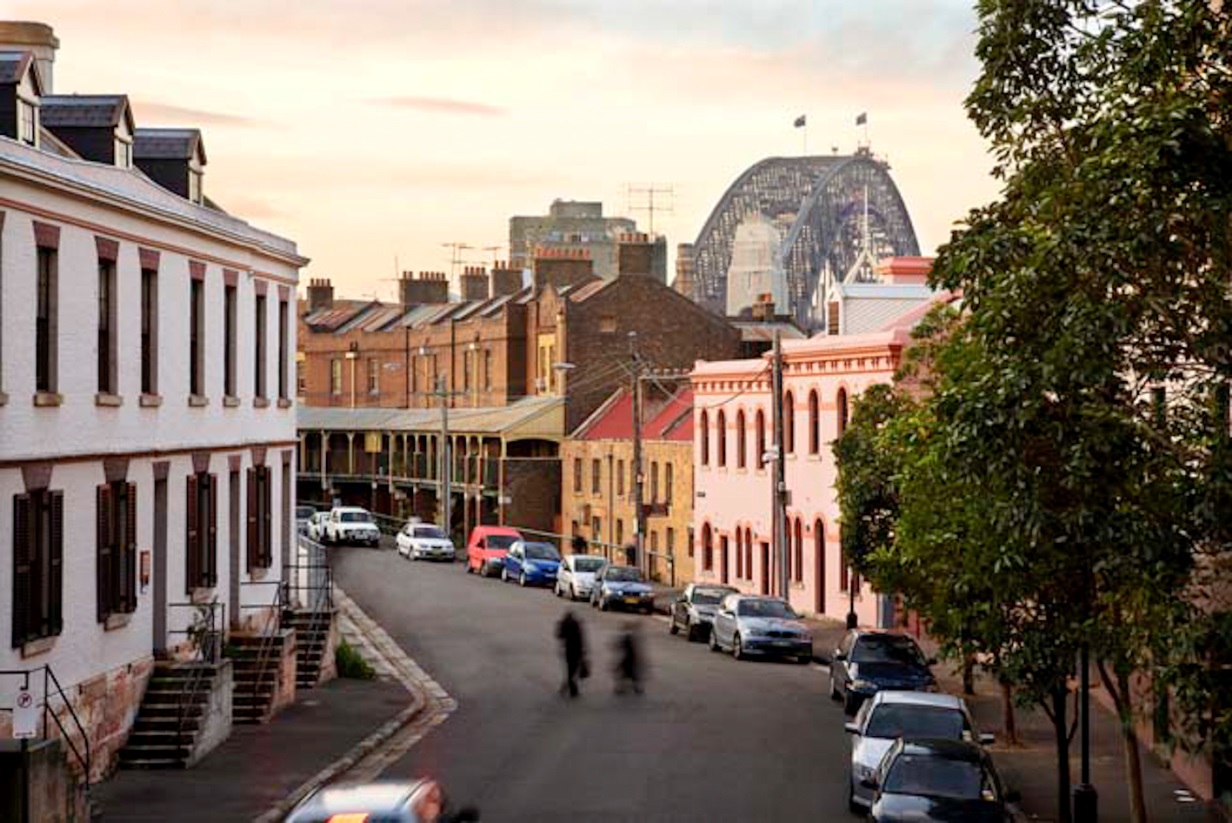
693,612
302,515
531,563
889,715
424,541
939,781
487,547
621,587
866,662
351,524
576,576
420,801
749,624
316,526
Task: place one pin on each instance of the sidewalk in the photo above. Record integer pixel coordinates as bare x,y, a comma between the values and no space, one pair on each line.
257,766
1031,767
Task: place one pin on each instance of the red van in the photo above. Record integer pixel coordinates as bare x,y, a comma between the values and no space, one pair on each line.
486,550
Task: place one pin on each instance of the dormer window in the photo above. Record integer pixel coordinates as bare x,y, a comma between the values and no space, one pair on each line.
27,122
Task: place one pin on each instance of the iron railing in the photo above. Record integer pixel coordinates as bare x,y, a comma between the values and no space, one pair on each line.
205,635
270,630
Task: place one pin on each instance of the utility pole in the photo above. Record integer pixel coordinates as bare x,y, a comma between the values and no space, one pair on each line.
446,461
780,468
639,480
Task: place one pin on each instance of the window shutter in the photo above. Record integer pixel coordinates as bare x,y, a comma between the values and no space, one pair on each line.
211,571
254,550
104,554
128,566
192,538
267,520
55,565
22,553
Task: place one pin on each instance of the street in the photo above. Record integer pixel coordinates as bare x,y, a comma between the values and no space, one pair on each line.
711,739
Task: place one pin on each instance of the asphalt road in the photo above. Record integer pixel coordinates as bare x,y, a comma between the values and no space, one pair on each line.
712,739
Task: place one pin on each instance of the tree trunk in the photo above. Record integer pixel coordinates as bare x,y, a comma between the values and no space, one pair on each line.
1060,728
1133,760
1007,713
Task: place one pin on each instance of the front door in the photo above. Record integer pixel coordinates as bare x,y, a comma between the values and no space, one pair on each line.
160,567
765,568
819,551
723,558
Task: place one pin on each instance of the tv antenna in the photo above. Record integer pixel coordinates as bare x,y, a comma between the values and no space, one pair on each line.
651,199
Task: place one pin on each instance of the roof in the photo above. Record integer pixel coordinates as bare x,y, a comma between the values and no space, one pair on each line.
665,419
167,144
96,111
530,416
753,331
13,65
337,315
909,319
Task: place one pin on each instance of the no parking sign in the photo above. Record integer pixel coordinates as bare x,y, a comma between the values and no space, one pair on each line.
25,715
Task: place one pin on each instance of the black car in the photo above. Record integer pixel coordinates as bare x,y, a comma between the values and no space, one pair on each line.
866,662
693,612
938,781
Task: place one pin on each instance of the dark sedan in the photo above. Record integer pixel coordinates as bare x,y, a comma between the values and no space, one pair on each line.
693,612
622,587
937,781
867,662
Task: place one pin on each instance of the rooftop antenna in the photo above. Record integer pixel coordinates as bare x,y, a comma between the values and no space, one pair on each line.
649,193
455,259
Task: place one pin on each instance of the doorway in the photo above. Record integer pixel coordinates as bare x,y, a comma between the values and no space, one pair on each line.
160,567
819,553
723,558
765,568
233,542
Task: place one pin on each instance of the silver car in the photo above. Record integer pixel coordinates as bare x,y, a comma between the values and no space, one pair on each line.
756,625
889,715
576,575
693,612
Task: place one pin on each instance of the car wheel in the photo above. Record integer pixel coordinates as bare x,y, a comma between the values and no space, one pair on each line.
852,805
522,579
737,648
602,603
714,642
504,575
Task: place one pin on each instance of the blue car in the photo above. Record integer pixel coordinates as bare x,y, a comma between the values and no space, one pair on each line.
531,564
622,587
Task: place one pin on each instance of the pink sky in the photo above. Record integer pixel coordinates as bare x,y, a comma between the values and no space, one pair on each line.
372,129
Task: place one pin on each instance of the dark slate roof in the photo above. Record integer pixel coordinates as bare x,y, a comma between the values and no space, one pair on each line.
50,143
167,144
83,110
13,66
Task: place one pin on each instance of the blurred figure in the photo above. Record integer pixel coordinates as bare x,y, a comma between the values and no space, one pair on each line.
629,660
569,632
579,544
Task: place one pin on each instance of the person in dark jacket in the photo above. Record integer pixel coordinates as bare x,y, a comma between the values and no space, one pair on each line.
629,660
569,632
579,544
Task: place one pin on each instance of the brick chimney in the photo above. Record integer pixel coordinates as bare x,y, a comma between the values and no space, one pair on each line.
428,287
506,279
562,267
904,271
635,255
474,283
320,294
686,267
39,40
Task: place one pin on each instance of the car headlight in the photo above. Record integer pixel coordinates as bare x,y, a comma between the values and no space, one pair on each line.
863,686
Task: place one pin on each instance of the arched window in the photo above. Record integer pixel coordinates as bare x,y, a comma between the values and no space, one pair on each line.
841,403
720,437
707,548
814,443
759,459
748,553
789,424
819,552
739,553
741,445
799,563
704,427
667,483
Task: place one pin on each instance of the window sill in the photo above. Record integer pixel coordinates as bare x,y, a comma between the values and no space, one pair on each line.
284,402
47,399
108,400
37,647
117,621
198,401
230,402
260,402
150,401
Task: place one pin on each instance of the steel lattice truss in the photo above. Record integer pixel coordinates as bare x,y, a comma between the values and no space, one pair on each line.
822,200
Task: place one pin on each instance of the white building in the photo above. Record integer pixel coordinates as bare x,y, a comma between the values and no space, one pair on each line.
147,434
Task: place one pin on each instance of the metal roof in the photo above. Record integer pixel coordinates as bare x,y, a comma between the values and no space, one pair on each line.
487,420
167,144
82,110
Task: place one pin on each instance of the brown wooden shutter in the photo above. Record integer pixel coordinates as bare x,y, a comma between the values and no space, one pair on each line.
55,566
104,554
253,550
192,536
267,520
128,566
211,555
22,554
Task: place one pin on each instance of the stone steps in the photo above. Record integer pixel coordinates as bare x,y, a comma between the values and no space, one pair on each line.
169,719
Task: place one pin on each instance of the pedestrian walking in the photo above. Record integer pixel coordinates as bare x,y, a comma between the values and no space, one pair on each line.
629,660
573,646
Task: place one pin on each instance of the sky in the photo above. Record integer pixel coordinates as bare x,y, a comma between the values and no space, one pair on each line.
376,132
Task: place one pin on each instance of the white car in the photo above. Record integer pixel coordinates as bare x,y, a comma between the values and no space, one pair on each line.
424,541
351,524
316,526
576,576
889,715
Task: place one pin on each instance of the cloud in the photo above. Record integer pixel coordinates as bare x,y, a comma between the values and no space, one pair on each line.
183,116
443,105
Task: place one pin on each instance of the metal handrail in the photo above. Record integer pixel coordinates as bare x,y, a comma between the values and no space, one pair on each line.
50,679
268,636
209,656
324,592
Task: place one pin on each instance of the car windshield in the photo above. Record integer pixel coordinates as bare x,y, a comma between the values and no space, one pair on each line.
588,564
928,776
765,608
623,575
304,512
500,541
887,648
541,551
709,597
894,720
430,532
355,517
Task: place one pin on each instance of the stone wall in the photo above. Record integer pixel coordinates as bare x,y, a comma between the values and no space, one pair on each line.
284,682
216,725
55,794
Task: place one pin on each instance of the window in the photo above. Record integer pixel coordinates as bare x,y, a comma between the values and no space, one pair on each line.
595,475
741,444
28,122
819,552
260,519
692,549
654,543
748,553
487,370
720,437
759,459
671,541
38,565
374,376
654,482
577,475
45,348
789,424
707,548
841,402
228,354
596,529
201,531
704,431
620,478
196,338
798,565
106,327
620,531
739,553
814,437
301,379
149,331
335,376
466,370
284,329
259,383
667,483
607,324
116,563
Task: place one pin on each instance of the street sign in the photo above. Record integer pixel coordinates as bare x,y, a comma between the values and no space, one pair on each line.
25,716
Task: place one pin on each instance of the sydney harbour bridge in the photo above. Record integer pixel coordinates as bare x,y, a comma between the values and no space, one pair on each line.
830,215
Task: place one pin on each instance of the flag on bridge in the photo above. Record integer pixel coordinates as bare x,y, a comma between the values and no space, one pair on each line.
862,119
799,121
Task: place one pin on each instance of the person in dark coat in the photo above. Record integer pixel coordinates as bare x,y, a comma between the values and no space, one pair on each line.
579,544
628,660
569,632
